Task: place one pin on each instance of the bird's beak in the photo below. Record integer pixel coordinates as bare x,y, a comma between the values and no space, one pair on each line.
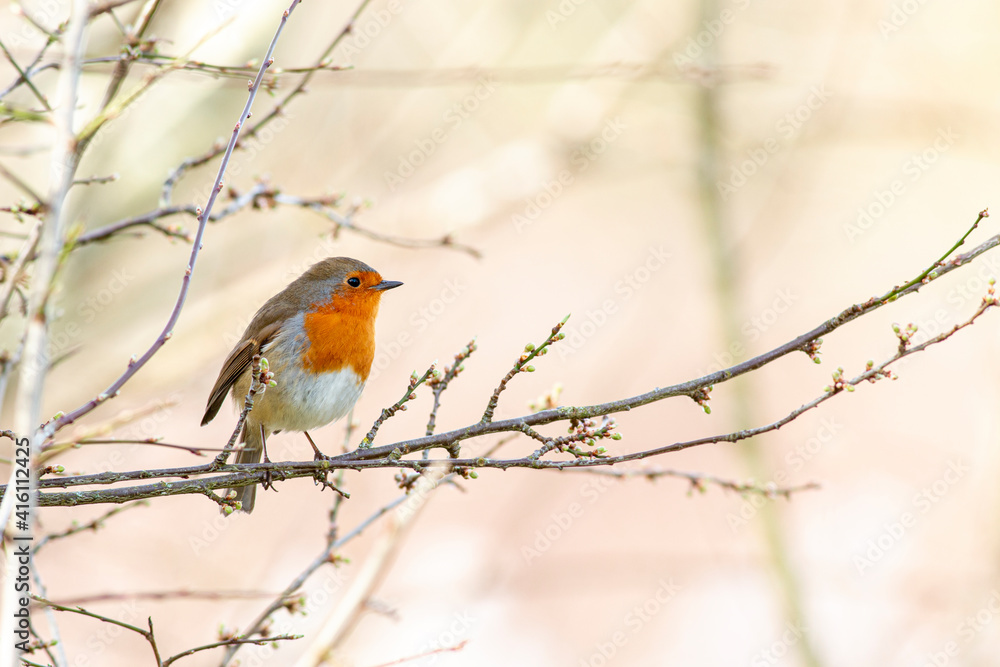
386,284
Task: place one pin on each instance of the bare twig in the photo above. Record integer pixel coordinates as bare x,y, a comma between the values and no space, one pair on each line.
520,366
235,641
133,39
328,555
264,195
439,383
25,188
152,442
97,180
699,481
260,378
348,223
27,79
397,406
166,595
148,219
90,525
148,635
17,268
434,651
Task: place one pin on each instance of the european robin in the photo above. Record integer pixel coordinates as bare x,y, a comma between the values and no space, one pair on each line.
318,336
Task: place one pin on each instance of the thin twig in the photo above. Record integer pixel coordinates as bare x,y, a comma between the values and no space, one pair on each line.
325,556
698,481
90,525
152,442
263,195
397,406
520,366
235,641
24,187
146,634
439,383
166,595
434,651
260,378
27,79
17,268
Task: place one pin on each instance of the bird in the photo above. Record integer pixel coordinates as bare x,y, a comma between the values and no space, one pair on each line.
318,336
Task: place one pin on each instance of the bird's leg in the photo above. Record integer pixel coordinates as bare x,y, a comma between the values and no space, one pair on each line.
266,484
319,456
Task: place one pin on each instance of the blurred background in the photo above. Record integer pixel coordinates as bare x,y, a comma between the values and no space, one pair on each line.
696,183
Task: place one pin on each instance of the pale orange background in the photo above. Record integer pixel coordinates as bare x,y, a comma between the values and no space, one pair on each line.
462,573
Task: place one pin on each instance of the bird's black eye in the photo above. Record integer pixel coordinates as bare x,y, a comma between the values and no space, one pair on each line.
353,282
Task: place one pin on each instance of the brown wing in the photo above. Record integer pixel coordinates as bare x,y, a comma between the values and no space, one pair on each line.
236,364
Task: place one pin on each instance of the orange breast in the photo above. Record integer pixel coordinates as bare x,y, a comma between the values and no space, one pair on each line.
342,334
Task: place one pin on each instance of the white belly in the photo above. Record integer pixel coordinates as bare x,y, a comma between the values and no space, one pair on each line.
302,401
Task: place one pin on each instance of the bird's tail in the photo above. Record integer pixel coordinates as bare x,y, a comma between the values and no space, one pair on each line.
252,448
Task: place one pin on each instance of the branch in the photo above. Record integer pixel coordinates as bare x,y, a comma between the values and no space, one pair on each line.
260,379
235,641
530,352
15,271
699,481
147,219
90,525
166,595
440,382
328,555
391,456
434,651
146,634
399,405
263,195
